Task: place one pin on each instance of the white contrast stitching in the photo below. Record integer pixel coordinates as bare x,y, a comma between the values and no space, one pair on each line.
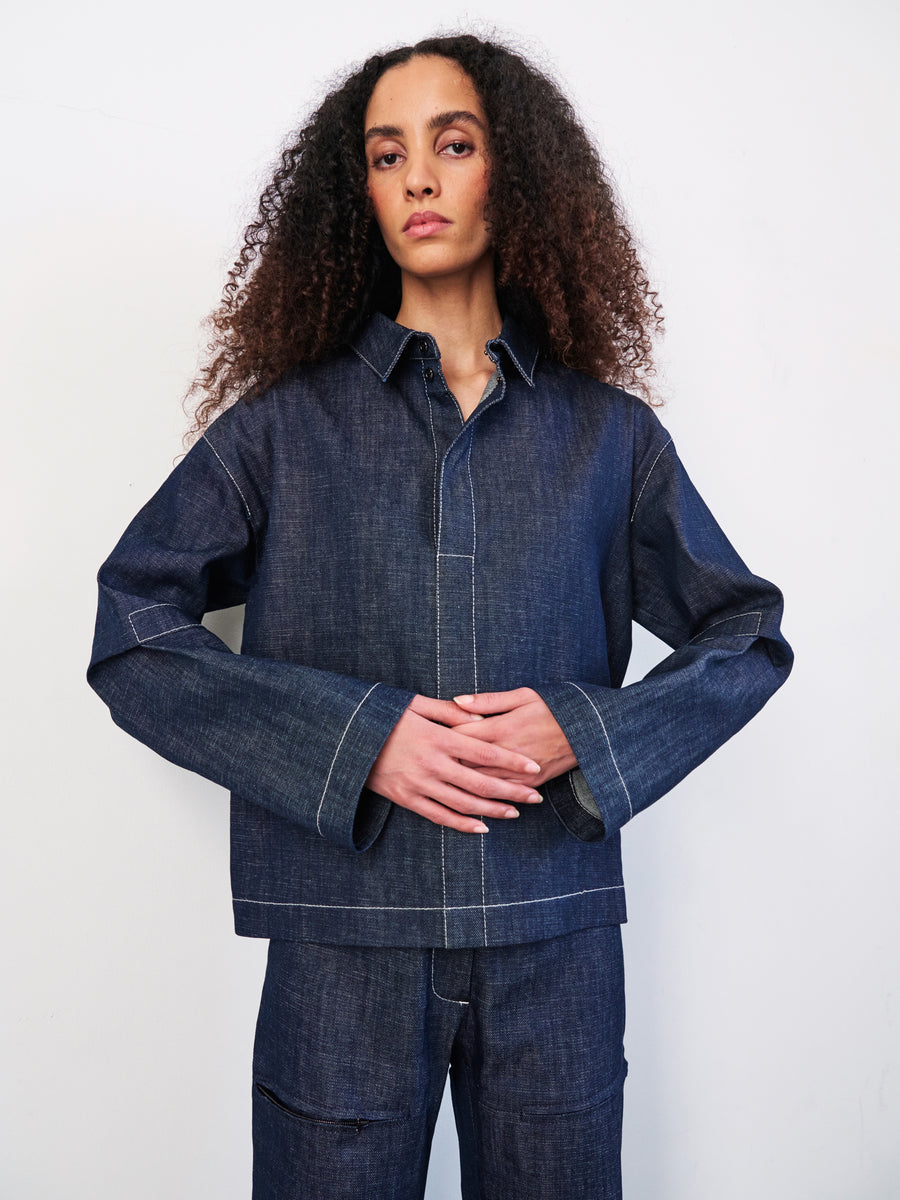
471,493
646,480
428,907
356,350
436,517
754,612
609,743
436,992
483,897
162,604
525,374
724,621
396,357
174,629
434,481
715,637
384,377
231,477
437,586
447,554
474,549
444,889
153,636
337,752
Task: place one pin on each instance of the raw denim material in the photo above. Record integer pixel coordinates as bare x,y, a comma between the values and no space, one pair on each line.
351,1056
383,547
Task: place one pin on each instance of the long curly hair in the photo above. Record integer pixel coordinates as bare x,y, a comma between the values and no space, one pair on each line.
314,266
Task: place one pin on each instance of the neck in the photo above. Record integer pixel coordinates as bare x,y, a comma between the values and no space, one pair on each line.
460,312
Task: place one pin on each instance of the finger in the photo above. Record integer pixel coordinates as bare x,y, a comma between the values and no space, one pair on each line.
464,802
495,702
488,729
438,814
488,754
444,712
473,788
513,778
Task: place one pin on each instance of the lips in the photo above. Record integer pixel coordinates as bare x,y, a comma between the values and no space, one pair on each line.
423,224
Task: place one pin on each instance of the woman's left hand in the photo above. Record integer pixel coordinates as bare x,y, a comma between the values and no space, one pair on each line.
520,720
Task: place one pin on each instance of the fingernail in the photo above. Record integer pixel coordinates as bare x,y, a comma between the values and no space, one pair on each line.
475,716
463,699
533,768
480,828
511,812
535,798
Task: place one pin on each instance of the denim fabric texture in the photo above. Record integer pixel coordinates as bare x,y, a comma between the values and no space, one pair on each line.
351,1056
384,546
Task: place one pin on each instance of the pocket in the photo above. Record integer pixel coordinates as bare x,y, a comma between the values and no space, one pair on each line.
572,1107
309,1114
303,1149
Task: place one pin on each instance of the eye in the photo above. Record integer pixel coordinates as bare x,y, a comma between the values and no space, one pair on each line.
389,159
457,149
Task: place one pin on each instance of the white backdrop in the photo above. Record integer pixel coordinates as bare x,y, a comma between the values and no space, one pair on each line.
755,146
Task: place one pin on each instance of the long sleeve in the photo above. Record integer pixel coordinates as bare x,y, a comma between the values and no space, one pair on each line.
690,589
294,739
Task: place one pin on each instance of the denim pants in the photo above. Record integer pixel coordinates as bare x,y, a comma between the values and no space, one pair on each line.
353,1046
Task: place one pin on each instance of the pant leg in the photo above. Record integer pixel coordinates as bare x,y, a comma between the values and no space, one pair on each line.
538,1070
350,1061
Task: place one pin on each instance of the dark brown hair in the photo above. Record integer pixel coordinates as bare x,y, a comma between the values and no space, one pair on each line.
313,265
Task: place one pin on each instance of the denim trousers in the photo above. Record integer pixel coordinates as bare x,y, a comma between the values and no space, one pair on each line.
353,1045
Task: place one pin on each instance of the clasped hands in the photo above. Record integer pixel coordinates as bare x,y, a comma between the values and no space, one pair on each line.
457,761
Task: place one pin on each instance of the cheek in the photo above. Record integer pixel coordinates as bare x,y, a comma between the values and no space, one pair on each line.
378,205
481,197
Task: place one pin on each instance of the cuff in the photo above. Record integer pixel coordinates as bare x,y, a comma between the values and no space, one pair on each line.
574,804
598,786
348,812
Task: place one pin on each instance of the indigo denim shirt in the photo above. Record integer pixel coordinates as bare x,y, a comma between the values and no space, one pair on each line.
384,546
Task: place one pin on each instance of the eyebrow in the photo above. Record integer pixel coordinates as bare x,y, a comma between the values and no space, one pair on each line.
459,116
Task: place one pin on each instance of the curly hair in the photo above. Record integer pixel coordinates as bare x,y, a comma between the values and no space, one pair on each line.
314,266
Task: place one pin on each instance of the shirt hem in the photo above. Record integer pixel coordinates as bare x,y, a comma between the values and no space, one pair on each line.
508,924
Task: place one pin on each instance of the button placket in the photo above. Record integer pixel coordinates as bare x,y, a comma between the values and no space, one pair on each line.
465,917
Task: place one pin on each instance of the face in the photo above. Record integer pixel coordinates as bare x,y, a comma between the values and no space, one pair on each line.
426,144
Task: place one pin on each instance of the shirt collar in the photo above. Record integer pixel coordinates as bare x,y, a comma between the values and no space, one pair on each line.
381,343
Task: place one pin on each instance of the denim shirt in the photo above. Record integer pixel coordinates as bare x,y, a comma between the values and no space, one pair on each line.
384,546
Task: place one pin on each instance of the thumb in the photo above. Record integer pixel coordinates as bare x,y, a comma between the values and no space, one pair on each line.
444,712
495,702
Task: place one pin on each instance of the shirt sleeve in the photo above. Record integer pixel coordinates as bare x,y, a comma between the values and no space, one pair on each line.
691,589
297,740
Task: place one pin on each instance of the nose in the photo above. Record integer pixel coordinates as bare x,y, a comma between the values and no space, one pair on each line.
421,178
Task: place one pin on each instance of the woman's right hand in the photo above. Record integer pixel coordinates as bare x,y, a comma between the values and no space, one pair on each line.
429,768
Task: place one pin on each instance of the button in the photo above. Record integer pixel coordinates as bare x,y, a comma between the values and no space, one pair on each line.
423,346
429,374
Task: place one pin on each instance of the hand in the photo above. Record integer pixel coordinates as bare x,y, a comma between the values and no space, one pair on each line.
428,766
520,720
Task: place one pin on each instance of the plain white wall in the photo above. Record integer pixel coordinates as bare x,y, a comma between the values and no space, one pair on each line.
753,145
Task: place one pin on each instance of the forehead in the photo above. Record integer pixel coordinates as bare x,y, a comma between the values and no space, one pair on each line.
414,91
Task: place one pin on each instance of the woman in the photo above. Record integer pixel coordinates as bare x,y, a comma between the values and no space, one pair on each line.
442,519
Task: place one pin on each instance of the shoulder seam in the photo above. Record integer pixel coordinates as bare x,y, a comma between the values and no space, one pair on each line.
659,455
232,478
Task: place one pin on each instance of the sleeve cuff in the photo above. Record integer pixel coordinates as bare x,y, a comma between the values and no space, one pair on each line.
348,812
574,804
592,801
